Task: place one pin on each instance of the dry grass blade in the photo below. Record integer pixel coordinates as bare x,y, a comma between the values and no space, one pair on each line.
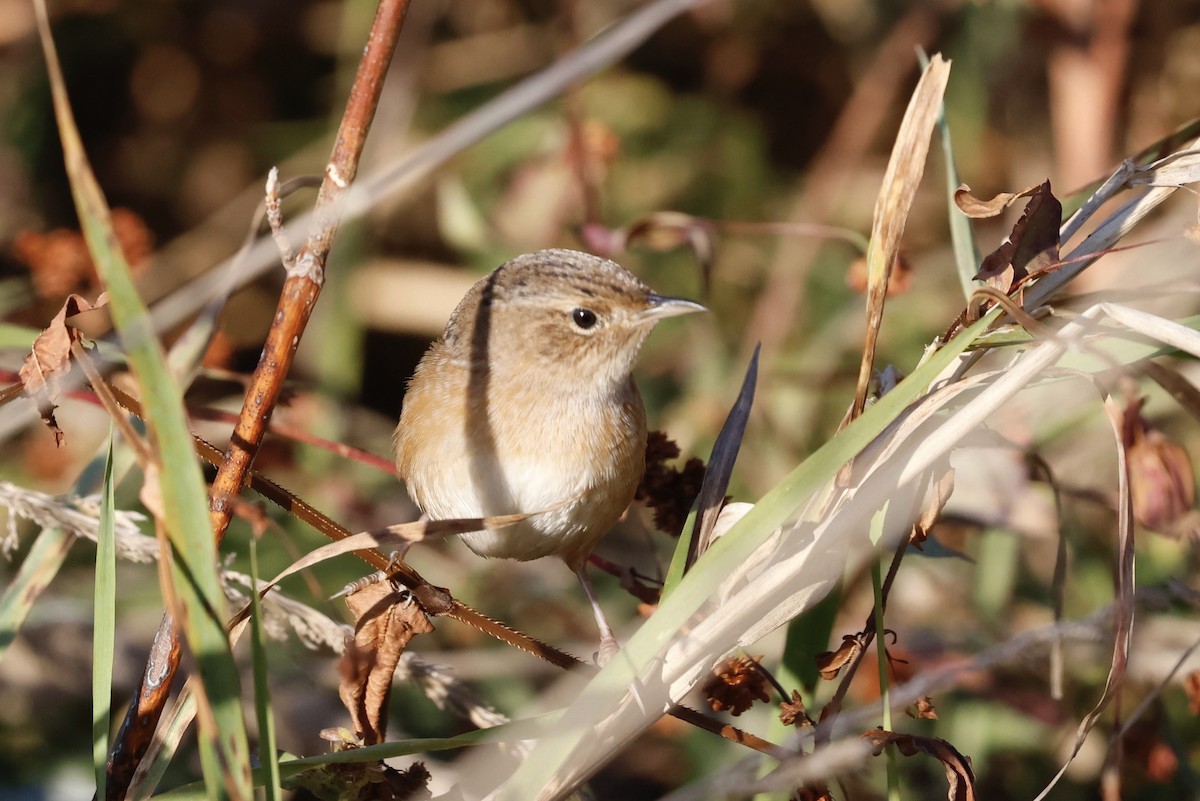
904,171
1124,581
1184,392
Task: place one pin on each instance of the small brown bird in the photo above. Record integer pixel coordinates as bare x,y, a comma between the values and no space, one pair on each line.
527,403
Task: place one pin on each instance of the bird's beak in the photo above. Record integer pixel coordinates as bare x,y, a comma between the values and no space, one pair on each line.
662,307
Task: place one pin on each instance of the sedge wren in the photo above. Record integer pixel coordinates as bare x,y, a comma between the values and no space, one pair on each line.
527,404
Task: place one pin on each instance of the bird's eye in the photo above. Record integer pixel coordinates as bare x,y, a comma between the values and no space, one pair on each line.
584,318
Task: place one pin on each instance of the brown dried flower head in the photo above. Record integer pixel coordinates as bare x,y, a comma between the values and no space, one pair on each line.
736,684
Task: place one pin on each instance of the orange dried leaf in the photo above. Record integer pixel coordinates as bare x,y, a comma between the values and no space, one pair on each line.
387,620
667,230
830,663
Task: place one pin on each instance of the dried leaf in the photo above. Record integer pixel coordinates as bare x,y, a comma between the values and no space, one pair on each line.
1031,248
667,230
50,360
979,209
830,663
387,620
959,776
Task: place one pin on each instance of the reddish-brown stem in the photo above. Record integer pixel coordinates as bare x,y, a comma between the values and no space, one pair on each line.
296,302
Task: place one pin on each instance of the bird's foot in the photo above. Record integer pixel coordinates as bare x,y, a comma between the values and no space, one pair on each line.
608,649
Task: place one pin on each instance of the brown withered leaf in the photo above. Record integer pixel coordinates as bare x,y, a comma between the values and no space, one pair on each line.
50,360
980,209
1191,686
792,712
1032,247
668,230
830,663
387,620
1161,479
736,684
959,776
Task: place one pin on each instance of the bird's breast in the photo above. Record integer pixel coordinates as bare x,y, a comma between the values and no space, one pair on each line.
574,459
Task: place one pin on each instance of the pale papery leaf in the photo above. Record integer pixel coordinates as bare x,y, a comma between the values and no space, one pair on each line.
978,209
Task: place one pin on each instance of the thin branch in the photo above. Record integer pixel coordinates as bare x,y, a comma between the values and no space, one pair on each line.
299,296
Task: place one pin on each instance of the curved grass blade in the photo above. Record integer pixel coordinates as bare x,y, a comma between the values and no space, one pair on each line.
180,484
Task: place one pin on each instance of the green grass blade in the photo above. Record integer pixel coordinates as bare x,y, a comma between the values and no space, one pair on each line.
962,236
680,556
180,484
104,626
267,753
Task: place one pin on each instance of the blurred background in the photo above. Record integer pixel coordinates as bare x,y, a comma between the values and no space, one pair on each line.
767,123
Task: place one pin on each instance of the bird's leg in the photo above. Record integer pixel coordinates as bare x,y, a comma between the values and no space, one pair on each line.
376,577
608,641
